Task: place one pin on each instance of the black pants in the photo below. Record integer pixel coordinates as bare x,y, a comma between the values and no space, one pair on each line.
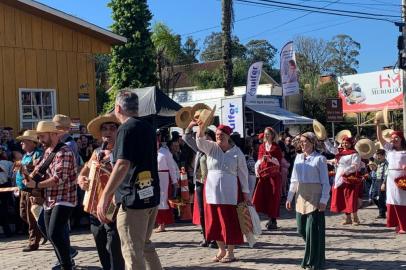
381,203
199,193
5,203
107,244
56,222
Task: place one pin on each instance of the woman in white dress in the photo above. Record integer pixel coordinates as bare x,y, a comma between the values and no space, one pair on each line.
395,197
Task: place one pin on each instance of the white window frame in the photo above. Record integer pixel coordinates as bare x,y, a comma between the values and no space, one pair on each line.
35,90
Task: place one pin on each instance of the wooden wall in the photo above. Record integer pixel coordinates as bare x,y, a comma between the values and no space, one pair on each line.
36,53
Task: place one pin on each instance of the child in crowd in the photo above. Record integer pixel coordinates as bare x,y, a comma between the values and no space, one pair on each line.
373,188
381,175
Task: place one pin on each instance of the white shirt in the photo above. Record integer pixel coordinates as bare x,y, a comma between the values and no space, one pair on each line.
223,169
167,163
310,170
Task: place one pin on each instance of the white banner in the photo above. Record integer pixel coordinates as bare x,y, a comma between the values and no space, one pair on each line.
232,114
253,77
288,68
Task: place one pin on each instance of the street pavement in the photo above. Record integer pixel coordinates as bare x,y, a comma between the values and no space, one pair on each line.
368,246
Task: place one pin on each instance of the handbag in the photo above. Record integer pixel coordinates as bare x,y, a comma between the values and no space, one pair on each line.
401,182
352,178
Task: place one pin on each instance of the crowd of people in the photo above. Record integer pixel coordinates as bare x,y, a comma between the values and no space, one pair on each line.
52,170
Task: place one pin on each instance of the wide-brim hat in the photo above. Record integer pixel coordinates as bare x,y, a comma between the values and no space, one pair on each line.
95,124
383,116
47,127
197,108
183,117
319,130
207,116
62,121
386,134
30,135
365,148
342,134
378,145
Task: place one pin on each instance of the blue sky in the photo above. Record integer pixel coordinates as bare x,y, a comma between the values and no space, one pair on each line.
378,39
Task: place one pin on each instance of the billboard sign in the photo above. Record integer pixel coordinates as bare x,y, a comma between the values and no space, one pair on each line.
232,114
334,110
371,91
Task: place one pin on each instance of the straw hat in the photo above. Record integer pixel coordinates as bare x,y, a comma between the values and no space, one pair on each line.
197,108
30,135
343,133
206,116
47,127
378,145
319,130
183,117
62,121
95,124
365,148
383,116
386,134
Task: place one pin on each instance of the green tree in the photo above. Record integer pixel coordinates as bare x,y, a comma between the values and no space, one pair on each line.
132,64
102,62
189,52
212,48
344,52
261,50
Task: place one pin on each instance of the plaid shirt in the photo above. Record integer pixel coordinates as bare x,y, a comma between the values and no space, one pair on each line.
62,170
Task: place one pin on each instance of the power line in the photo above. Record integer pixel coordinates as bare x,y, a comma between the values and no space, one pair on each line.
358,3
319,11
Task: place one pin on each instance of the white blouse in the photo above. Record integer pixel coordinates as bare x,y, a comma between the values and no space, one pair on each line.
310,170
223,170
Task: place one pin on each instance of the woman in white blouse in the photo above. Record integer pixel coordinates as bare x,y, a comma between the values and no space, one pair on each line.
310,183
227,169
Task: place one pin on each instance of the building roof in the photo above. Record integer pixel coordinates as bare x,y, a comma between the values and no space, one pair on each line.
184,78
66,19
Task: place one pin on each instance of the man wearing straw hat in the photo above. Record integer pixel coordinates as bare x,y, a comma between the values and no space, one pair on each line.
135,182
59,186
106,236
31,157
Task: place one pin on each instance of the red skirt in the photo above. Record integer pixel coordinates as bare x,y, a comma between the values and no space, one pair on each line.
344,199
221,222
267,196
165,216
396,216
196,213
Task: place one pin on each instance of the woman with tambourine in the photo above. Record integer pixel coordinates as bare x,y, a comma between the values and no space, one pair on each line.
347,180
267,194
396,180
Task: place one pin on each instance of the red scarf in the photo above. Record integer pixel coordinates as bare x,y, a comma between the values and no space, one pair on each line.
344,152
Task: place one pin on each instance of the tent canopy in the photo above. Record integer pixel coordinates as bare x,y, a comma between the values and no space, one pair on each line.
287,117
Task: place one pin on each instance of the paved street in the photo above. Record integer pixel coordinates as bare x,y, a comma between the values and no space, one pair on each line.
369,246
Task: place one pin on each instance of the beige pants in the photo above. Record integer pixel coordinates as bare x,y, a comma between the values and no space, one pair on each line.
135,228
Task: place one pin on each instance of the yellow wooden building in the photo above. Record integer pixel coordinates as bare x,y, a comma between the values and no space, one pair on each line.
47,63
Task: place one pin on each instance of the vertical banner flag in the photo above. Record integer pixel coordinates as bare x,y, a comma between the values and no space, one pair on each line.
253,77
290,83
232,114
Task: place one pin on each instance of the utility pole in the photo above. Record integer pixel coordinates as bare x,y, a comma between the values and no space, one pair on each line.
402,60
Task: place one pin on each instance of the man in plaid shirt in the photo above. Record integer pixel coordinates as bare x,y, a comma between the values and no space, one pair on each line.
59,187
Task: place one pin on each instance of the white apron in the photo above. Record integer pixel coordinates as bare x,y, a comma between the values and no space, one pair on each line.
396,160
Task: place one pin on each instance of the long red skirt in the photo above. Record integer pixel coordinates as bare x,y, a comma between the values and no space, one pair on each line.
267,196
221,221
165,216
344,199
196,213
396,216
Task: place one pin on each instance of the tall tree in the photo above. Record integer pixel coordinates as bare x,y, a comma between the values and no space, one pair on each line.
189,52
226,26
213,49
132,64
261,50
344,52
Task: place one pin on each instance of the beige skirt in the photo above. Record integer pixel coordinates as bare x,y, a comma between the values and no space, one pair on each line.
308,197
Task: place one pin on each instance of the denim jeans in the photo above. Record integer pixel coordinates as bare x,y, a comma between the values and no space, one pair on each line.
56,224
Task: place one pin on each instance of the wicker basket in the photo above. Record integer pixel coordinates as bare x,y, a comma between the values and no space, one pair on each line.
352,179
401,182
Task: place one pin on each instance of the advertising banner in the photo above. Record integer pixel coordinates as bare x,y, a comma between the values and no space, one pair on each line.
232,114
290,82
371,91
253,77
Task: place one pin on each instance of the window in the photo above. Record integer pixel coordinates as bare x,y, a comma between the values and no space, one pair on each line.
36,105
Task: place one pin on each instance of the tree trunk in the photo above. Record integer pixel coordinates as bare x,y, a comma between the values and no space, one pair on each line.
226,23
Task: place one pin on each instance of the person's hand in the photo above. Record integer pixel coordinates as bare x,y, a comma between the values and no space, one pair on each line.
247,198
192,124
322,207
102,208
83,182
383,187
404,167
28,183
288,205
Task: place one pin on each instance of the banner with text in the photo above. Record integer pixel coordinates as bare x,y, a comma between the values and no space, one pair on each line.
232,114
288,68
253,77
371,91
